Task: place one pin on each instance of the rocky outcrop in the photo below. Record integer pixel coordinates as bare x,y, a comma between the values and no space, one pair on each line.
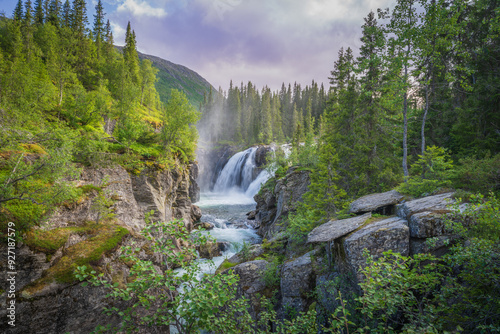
426,219
211,161
377,237
212,249
166,192
297,281
436,203
194,188
261,155
117,185
251,284
377,203
275,202
49,299
335,229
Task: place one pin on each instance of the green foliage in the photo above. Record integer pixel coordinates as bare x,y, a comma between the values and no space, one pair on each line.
244,249
398,292
271,275
101,206
207,304
303,322
179,133
478,175
31,184
424,294
431,172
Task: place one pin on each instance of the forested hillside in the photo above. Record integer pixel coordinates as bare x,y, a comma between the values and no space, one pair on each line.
173,76
69,98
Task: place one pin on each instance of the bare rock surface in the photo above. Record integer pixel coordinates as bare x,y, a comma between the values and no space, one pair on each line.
297,280
272,204
431,203
117,184
212,249
427,224
378,237
336,228
251,284
373,202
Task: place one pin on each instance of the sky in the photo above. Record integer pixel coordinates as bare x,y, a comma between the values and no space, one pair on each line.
267,42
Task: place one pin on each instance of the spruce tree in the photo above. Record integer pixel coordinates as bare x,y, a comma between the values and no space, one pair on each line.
18,11
99,30
53,15
130,54
66,14
39,15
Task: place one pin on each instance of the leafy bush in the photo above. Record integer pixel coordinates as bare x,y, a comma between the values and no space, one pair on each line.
208,303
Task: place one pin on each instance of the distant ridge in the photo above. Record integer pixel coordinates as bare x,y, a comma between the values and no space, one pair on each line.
180,77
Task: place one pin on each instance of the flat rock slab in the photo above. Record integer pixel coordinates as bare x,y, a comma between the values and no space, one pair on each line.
373,202
378,237
335,229
434,203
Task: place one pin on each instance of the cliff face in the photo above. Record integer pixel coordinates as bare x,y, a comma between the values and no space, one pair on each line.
48,298
277,198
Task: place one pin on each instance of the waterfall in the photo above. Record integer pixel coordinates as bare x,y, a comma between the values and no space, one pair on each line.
238,175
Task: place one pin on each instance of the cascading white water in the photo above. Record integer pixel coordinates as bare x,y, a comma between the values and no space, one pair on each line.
226,207
237,176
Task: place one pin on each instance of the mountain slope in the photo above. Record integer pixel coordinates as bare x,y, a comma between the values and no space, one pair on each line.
176,76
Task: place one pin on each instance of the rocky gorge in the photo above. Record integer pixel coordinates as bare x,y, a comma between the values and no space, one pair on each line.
50,300
305,273
298,277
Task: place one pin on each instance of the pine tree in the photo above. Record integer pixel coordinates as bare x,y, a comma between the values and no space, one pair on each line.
66,14
18,11
130,54
54,13
39,16
99,30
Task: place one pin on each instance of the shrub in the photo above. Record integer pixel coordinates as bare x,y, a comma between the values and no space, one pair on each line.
478,175
432,171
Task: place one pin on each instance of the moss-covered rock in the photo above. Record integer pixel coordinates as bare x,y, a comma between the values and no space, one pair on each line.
102,238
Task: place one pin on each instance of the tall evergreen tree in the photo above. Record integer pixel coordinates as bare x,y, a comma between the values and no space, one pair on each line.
130,54
54,13
66,14
18,11
39,15
403,26
99,30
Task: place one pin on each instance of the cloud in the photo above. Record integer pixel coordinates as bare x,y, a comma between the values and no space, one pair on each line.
118,33
140,9
265,41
